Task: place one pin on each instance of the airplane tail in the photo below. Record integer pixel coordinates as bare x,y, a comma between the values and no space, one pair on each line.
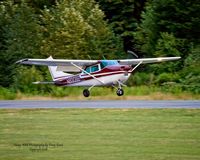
56,74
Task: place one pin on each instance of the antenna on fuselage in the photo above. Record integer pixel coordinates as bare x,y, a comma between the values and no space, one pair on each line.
133,53
89,57
104,57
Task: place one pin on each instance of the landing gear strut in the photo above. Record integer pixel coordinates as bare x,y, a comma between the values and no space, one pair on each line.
120,92
86,92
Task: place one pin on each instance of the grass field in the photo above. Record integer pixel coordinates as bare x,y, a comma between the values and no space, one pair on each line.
100,134
98,93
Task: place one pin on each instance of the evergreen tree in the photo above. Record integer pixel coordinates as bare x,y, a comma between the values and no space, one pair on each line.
123,16
178,18
20,37
171,28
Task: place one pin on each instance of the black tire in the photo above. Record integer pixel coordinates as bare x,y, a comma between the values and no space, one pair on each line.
120,92
86,93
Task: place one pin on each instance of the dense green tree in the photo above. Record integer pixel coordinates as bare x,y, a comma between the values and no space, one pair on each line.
171,28
76,29
67,29
178,18
123,16
190,74
79,29
20,37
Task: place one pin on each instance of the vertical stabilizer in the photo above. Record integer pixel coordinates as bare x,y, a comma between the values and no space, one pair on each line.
56,74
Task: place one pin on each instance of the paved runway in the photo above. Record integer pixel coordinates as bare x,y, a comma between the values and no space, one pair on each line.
100,104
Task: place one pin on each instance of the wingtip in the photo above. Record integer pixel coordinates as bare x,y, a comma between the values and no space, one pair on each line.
168,58
177,58
38,82
21,61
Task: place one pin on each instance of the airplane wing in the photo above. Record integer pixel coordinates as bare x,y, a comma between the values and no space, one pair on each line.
146,60
69,65
62,64
56,62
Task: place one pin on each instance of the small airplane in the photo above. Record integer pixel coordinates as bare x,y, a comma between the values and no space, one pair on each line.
92,73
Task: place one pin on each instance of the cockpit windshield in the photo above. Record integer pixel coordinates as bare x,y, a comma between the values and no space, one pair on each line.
105,63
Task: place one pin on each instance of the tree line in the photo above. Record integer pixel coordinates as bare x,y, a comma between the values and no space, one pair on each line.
89,29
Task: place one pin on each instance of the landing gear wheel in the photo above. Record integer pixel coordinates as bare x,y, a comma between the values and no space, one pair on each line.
120,92
86,92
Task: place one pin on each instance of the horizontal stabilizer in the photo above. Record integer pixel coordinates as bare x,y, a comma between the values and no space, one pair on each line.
42,82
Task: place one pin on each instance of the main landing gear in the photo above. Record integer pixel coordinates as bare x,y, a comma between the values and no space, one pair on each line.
119,92
86,92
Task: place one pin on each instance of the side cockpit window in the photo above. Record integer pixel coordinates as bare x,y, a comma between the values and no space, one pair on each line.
87,69
93,68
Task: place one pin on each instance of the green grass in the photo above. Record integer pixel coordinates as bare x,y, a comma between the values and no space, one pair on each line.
96,134
74,93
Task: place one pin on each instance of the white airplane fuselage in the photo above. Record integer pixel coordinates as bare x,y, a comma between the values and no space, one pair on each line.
108,76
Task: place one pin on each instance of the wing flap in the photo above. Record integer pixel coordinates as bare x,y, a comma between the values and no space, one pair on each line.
67,69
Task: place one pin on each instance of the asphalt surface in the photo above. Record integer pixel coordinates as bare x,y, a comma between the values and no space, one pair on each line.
100,104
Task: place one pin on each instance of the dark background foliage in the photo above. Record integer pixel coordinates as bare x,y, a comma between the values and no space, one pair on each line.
84,29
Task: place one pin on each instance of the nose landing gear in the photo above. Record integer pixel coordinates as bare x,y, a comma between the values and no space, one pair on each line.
120,91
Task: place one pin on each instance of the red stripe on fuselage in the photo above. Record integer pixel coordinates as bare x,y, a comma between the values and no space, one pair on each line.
107,71
102,75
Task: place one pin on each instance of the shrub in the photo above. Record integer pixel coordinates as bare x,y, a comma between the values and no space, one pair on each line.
24,79
167,77
141,78
7,94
